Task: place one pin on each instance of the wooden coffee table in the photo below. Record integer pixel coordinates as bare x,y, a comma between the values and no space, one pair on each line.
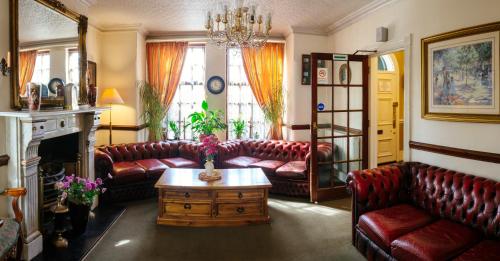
239,198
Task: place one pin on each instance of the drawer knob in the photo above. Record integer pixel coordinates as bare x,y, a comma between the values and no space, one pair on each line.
62,124
34,128
240,195
187,206
240,210
186,195
41,127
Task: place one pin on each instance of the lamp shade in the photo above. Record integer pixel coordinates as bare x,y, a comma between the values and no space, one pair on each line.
111,96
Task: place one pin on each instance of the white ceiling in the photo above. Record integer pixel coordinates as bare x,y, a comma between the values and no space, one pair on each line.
188,15
37,23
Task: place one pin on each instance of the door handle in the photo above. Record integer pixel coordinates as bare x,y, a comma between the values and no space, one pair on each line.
380,132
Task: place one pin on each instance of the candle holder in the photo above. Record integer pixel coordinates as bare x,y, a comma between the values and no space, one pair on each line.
5,68
60,213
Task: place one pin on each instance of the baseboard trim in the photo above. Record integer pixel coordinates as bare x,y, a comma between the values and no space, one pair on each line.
123,127
456,152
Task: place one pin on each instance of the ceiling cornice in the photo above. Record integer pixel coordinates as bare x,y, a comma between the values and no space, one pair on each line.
123,28
88,3
358,15
306,30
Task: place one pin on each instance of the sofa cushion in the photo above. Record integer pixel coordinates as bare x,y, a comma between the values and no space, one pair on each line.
441,240
385,225
268,166
483,251
179,162
240,162
293,170
154,168
127,172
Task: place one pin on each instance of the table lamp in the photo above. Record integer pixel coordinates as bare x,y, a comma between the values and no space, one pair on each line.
111,96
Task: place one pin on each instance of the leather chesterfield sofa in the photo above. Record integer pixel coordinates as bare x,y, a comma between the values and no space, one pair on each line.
135,167
413,211
285,163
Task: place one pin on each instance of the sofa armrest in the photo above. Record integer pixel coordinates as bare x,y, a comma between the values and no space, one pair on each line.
103,164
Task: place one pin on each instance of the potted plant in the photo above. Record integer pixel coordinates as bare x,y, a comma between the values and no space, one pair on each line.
80,193
206,122
175,129
153,110
239,128
209,148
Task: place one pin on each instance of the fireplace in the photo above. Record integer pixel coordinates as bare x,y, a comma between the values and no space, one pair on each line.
37,140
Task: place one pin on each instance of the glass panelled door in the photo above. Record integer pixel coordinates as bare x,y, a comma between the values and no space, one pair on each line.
339,122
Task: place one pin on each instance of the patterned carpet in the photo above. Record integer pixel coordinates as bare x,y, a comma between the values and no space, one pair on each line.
299,230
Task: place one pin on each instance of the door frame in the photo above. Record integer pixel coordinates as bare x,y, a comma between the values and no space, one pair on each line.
387,48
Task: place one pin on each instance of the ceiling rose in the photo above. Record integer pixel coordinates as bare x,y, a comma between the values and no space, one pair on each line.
240,26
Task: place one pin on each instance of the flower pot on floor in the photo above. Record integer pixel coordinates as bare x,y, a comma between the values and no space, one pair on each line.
79,214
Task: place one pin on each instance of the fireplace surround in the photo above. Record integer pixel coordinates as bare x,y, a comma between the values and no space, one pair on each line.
22,133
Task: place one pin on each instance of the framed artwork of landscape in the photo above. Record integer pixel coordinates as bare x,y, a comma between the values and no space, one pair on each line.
460,75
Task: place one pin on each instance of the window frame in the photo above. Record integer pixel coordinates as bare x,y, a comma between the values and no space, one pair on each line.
70,51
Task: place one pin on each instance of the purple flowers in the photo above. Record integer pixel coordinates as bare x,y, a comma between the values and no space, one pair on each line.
80,190
209,145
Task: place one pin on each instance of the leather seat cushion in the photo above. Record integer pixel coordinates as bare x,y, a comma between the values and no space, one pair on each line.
9,233
127,172
268,166
441,240
484,250
240,162
385,225
293,170
154,168
179,162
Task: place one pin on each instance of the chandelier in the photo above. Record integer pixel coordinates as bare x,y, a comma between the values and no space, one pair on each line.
240,27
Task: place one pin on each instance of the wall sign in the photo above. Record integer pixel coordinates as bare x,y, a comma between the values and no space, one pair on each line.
321,106
323,75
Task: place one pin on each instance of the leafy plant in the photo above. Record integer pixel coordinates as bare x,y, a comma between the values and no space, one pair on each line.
153,110
175,129
206,122
239,126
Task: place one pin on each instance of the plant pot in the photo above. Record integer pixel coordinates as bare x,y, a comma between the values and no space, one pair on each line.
209,167
79,215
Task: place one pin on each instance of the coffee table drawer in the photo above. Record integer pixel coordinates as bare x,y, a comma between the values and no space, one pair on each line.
187,195
236,209
193,209
240,194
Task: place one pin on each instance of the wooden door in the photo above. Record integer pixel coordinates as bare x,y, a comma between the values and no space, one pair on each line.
387,91
339,121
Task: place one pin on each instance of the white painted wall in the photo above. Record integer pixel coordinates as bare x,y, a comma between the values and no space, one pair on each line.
423,18
215,65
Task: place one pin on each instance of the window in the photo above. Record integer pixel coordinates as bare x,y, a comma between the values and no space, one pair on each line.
73,66
42,68
190,92
241,103
385,63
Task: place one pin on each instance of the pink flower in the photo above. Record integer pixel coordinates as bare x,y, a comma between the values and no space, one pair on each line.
88,186
64,195
104,190
59,185
109,176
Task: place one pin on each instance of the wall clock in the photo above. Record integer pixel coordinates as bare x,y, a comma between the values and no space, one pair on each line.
216,85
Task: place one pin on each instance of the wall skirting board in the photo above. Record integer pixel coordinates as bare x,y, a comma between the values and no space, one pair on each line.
123,127
456,152
4,160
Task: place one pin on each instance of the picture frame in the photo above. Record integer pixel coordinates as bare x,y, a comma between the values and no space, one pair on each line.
460,75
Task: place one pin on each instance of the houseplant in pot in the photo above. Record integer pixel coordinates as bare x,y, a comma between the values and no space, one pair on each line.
153,110
80,194
239,128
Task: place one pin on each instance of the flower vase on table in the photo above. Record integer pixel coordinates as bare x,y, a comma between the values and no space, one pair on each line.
209,149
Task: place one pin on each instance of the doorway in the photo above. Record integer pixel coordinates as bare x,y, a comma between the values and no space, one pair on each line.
387,99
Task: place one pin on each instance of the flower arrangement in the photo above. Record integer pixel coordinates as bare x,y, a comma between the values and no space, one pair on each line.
209,146
79,190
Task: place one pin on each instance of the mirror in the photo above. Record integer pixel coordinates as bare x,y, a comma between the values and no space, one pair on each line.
49,53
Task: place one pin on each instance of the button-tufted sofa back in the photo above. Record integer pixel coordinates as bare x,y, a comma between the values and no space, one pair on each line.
275,149
148,150
460,197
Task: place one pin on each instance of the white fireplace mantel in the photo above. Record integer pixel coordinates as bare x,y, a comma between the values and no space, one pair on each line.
23,132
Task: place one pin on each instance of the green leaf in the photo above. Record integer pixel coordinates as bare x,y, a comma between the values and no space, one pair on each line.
204,105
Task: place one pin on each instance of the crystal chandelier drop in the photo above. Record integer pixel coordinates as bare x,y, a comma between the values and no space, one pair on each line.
240,27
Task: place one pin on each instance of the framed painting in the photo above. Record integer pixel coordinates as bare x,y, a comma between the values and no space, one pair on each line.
460,75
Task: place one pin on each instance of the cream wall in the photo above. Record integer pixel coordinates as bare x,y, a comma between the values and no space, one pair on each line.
299,96
423,18
215,65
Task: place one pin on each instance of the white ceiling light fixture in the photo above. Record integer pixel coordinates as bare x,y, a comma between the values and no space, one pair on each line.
240,26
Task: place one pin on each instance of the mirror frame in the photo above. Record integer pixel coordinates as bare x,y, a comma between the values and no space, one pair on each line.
60,8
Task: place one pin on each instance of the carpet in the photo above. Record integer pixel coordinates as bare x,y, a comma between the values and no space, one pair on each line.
299,230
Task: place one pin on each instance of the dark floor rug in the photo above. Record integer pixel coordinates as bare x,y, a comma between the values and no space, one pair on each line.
298,231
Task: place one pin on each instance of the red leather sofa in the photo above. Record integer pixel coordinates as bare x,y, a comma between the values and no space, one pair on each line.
136,167
413,211
285,163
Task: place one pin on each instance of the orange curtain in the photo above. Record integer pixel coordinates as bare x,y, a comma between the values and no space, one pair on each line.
264,70
165,62
27,61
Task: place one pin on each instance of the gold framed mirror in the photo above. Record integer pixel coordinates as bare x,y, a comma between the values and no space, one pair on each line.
48,46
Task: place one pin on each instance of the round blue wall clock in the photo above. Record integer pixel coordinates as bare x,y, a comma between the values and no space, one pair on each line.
216,85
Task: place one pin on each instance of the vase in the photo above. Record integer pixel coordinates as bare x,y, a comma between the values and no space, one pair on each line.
209,167
79,214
